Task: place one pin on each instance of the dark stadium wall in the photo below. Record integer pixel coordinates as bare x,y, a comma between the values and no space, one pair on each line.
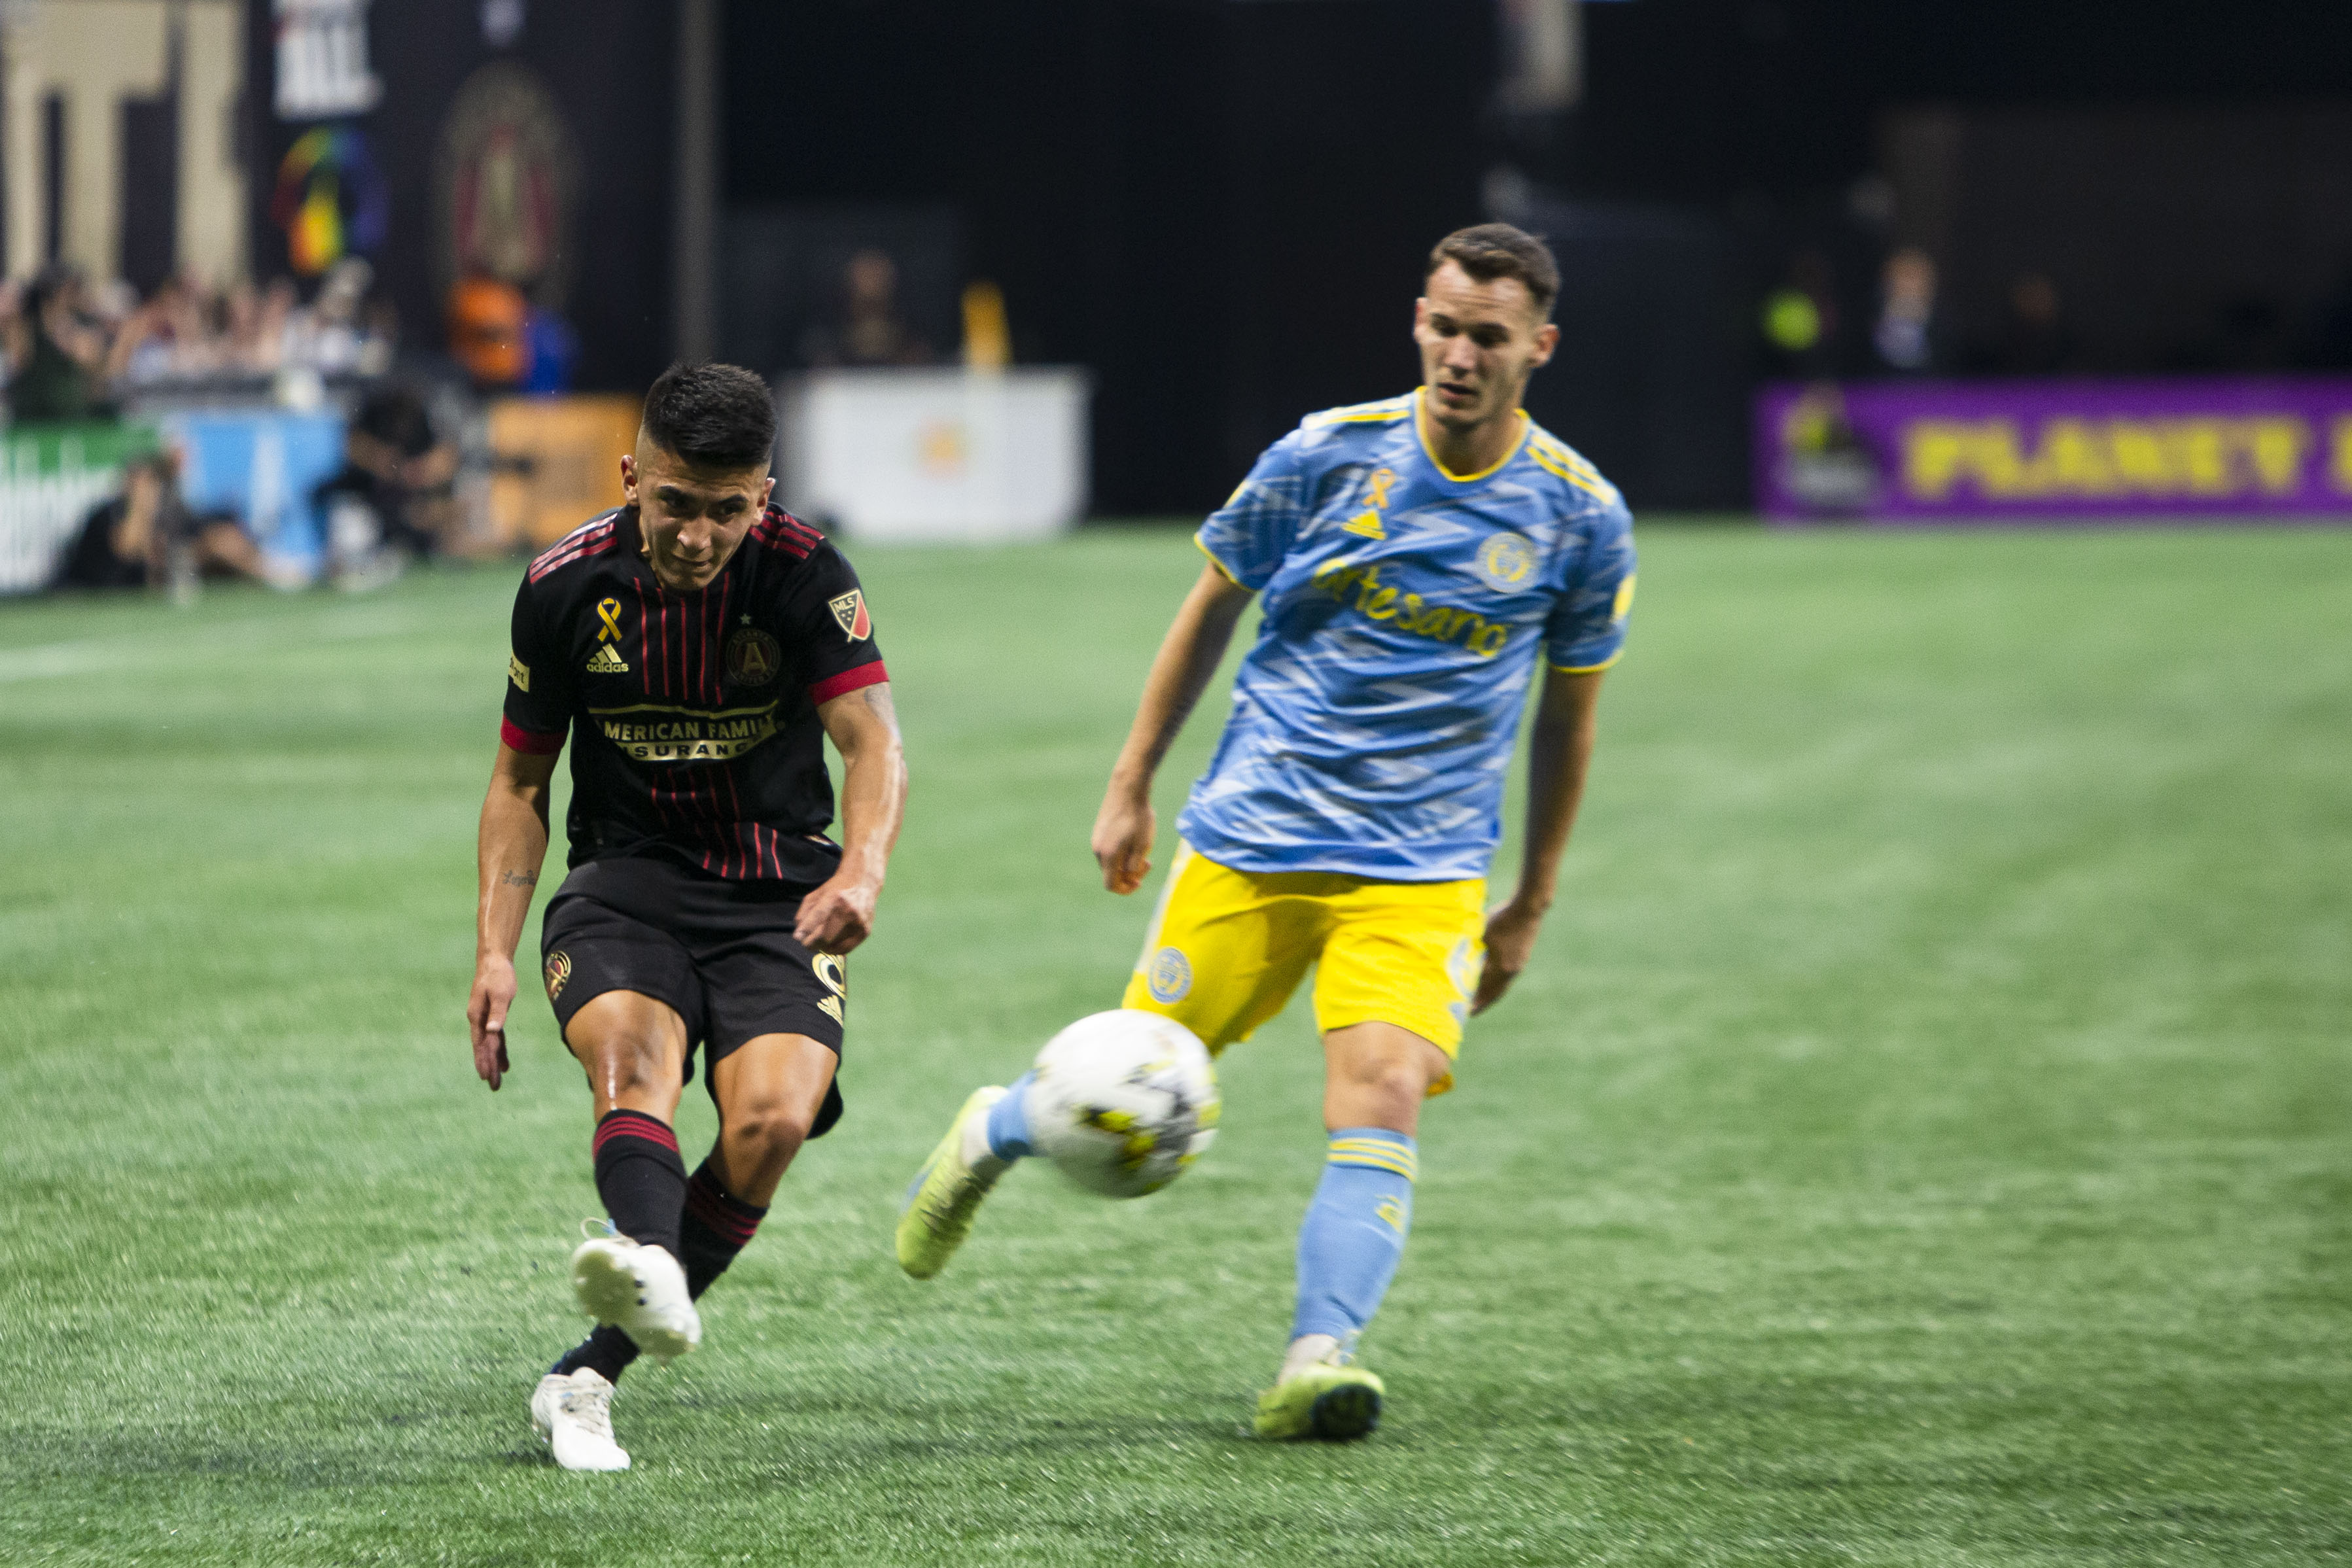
608,68
1219,208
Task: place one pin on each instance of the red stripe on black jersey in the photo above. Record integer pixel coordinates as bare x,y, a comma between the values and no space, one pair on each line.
529,742
593,539
779,529
825,691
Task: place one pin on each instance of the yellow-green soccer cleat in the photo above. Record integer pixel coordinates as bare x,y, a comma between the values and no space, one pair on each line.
1336,1404
944,1197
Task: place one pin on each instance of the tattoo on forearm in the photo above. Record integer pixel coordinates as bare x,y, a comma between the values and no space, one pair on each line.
518,879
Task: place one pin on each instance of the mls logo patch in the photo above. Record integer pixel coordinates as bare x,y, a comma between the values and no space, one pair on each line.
1506,562
850,610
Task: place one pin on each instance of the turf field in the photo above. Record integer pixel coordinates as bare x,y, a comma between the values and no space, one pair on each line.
1924,1138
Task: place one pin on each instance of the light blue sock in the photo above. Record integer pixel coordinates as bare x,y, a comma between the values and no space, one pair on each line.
1008,1122
1353,1236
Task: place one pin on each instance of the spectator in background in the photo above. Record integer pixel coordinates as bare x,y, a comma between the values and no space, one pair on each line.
871,331
487,319
1908,338
327,337
394,497
2034,339
60,355
145,537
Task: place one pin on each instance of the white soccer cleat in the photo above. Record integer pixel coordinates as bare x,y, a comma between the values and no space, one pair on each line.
574,1415
641,1290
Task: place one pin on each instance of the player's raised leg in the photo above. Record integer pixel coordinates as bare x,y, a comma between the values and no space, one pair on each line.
987,1136
634,1049
1376,1076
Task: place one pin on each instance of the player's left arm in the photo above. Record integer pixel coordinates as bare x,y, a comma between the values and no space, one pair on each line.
839,916
1560,749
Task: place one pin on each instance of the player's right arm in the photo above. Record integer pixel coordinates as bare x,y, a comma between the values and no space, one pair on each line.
1180,672
511,845
1244,540
512,842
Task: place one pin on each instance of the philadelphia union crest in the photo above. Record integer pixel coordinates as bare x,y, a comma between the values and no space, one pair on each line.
1169,977
1506,561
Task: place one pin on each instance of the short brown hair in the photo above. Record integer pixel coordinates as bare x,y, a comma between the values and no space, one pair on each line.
1489,251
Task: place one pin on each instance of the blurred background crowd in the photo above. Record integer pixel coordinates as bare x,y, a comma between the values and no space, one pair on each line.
371,283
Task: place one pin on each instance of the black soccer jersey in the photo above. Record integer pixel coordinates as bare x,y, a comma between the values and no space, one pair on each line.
692,715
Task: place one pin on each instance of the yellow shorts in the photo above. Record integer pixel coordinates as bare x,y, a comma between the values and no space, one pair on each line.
1227,947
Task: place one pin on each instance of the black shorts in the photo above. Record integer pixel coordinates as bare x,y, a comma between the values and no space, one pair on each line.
720,953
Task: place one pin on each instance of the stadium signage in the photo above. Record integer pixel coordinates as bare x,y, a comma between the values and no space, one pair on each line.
322,59
2081,450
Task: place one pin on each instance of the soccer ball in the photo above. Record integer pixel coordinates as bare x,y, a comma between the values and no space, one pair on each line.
1122,1102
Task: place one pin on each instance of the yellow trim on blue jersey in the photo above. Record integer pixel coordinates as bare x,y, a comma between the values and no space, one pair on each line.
1379,1153
1387,411
1526,424
1557,460
1589,669
1222,569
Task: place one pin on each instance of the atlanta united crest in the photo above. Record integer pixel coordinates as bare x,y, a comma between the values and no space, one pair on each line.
753,657
559,969
850,610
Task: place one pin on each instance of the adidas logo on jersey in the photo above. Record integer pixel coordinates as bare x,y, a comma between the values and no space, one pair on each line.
607,661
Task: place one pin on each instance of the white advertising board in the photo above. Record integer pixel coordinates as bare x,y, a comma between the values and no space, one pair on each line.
936,455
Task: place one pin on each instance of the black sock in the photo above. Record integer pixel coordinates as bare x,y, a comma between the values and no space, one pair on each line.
606,1351
716,1226
640,1178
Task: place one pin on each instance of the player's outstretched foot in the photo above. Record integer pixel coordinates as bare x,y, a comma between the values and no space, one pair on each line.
1333,1403
945,1195
639,1290
574,1415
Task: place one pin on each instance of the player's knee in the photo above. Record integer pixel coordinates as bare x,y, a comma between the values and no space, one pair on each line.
1397,1085
632,1067
770,1129
1380,1083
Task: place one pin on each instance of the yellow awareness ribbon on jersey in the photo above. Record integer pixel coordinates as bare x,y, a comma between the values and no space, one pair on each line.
609,612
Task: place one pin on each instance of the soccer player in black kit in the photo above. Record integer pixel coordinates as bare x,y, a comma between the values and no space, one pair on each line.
694,646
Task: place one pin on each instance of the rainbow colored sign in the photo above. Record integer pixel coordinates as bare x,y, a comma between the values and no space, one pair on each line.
1919,452
330,199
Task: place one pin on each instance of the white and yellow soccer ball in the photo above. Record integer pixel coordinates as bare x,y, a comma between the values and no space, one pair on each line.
1123,1101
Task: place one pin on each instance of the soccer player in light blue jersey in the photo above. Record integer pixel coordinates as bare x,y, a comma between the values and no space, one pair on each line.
1420,559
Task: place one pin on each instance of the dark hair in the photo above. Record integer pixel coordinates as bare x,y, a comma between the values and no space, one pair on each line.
396,416
714,416
1489,251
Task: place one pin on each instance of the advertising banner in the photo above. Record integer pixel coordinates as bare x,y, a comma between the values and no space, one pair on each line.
907,456
558,464
51,477
2247,449
265,467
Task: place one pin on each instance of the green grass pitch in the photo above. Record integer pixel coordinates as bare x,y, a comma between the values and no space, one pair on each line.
1922,1140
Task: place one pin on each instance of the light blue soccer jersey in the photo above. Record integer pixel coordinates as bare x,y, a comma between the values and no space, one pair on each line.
1405,611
